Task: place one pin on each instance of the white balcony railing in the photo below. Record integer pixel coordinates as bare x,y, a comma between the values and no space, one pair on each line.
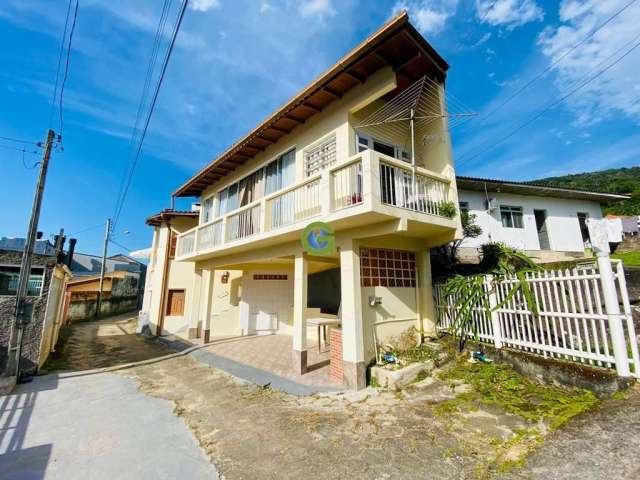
347,186
210,235
368,180
186,243
296,204
244,223
396,188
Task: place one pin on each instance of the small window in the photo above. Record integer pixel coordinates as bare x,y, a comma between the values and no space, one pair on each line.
172,245
511,216
175,303
384,148
9,277
464,208
402,154
321,156
207,210
363,143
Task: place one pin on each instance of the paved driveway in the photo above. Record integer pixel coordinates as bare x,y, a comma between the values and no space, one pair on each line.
98,426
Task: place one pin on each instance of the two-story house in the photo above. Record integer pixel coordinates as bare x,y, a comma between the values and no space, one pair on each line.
343,152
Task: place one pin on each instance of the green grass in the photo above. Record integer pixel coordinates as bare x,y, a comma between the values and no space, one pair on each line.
631,259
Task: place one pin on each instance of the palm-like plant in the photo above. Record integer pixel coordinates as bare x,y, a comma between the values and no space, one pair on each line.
473,292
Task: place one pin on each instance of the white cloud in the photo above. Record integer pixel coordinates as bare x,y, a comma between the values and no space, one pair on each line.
265,7
430,17
508,13
320,8
203,5
613,92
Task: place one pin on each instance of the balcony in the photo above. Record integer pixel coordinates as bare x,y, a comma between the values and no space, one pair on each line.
367,188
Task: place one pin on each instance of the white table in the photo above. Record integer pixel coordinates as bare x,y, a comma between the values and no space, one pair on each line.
322,324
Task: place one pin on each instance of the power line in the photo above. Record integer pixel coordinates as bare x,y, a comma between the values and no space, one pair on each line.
555,103
11,147
143,97
62,42
17,140
66,68
87,229
121,245
163,71
556,62
487,11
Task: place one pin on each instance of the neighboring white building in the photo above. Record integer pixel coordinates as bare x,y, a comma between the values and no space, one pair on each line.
548,223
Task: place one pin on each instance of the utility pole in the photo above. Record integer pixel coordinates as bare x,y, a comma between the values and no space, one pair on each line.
23,311
107,233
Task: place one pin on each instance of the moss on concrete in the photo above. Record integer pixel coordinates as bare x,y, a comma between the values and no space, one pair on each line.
500,385
491,385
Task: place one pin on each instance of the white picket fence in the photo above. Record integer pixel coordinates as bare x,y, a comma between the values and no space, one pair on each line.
578,319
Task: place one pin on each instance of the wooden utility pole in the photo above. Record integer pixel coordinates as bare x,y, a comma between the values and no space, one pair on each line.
107,233
23,311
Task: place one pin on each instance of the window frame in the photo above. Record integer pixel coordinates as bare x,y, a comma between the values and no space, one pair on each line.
40,273
218,213
514,213
203,208
370,140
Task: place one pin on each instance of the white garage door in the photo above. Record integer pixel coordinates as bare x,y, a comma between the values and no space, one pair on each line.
268,299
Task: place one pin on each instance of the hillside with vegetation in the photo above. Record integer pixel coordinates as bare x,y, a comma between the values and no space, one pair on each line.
615,180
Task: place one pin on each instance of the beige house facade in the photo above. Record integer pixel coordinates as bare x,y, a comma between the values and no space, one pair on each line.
384,198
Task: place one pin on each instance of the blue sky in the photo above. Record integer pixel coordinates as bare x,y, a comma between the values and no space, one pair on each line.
236,61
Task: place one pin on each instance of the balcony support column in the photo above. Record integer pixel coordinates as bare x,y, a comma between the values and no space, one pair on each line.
207,303
299,352
354,366
195,323
424,291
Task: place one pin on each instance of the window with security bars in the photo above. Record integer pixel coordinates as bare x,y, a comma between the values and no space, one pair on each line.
383,267
321,156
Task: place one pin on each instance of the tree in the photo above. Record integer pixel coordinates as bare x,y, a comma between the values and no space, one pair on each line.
446,256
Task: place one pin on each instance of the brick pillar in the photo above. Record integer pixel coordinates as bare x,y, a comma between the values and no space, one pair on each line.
335,364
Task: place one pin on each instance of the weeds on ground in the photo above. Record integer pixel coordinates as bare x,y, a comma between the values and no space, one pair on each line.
498,384
543,406
406,349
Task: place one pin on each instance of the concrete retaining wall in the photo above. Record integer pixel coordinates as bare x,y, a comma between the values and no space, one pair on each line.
84,308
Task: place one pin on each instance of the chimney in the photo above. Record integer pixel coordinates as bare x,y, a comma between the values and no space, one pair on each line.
72,248
58,242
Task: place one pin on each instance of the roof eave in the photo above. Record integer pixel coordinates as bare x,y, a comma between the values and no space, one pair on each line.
601,197
339,68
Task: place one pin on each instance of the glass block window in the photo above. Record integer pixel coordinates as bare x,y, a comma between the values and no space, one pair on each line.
383,267
321,156
269,276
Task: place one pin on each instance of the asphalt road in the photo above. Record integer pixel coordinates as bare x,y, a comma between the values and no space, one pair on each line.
94,425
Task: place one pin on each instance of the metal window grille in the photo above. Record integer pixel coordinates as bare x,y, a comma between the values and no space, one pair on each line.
321,156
